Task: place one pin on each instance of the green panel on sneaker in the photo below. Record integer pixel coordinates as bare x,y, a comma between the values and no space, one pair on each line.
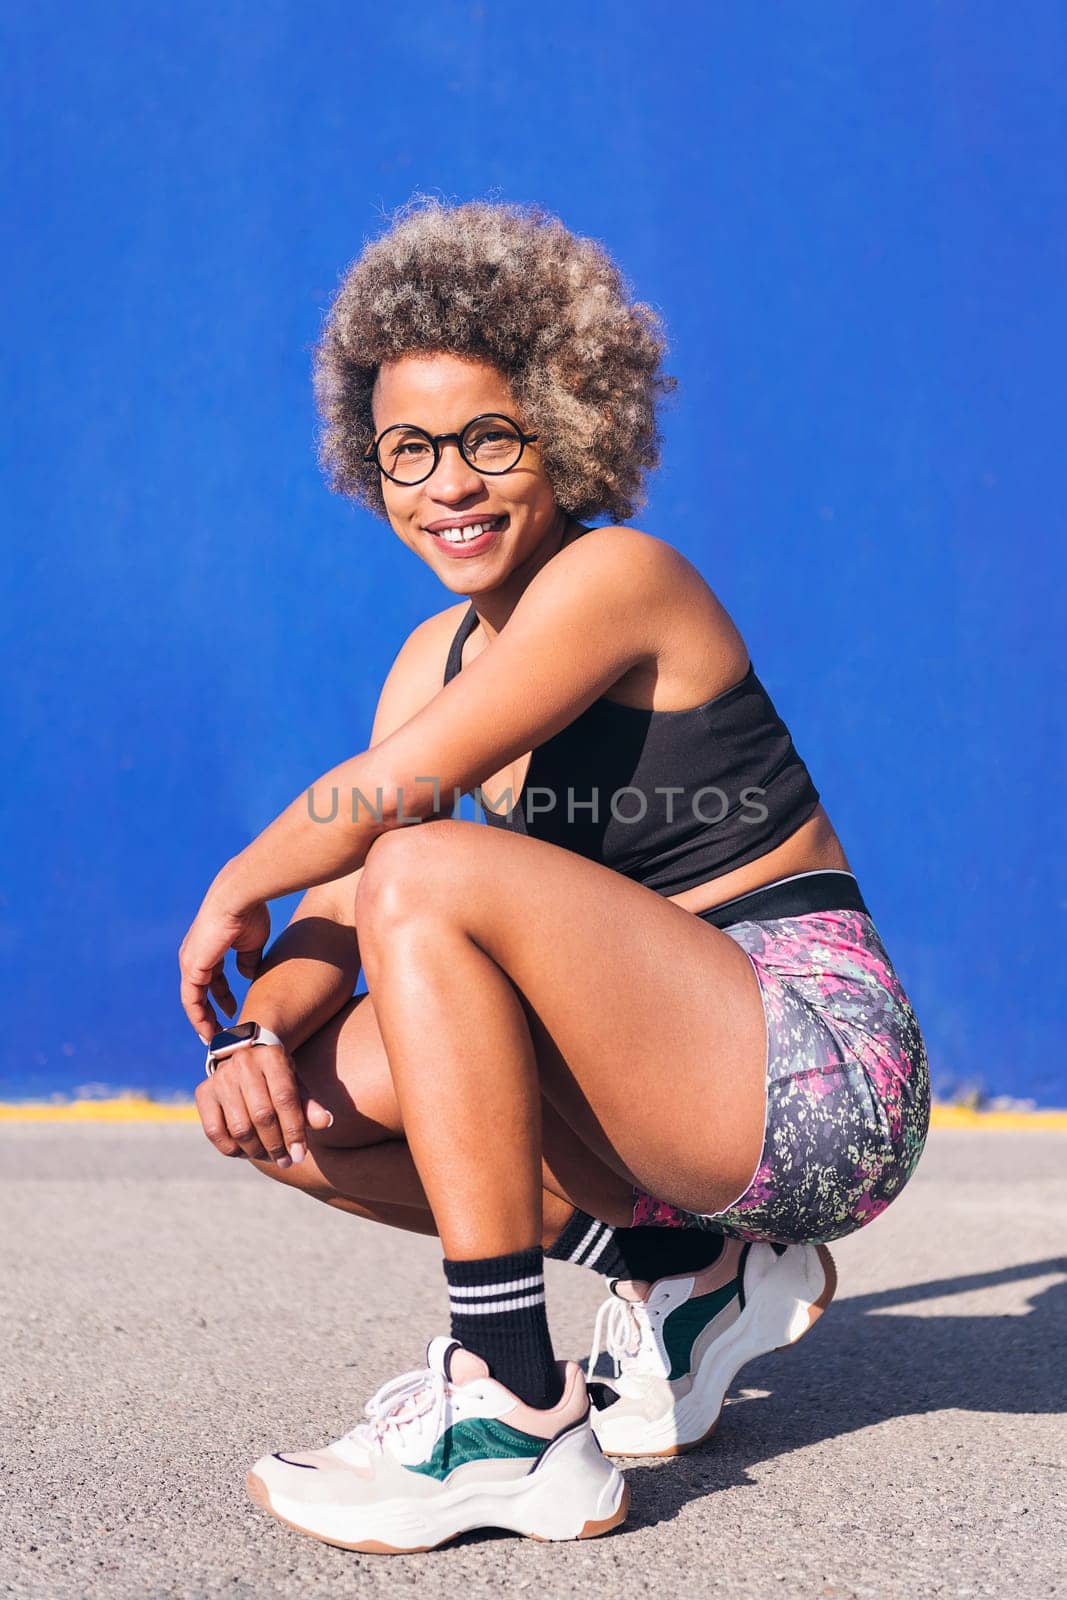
683,1326
478,1439
677,1350
441,1451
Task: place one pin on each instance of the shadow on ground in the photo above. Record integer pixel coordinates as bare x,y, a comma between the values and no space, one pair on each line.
868,1367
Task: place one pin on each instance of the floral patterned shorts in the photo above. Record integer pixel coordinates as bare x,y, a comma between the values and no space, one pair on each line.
848,1086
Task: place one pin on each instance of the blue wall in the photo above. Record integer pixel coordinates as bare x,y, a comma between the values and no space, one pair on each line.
853,222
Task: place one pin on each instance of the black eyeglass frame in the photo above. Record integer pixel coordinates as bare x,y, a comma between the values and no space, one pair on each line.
437,440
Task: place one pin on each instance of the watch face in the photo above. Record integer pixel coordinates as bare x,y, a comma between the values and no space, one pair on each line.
228,1037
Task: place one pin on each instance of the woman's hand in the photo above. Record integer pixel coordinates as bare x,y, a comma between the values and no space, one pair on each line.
252,1105
202,955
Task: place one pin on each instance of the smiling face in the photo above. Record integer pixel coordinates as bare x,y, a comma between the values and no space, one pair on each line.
516,511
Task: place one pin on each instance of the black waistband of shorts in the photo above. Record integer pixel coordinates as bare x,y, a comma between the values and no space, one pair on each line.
790,897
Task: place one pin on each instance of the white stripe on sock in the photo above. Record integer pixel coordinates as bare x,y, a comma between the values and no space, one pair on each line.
595,1256
480,1290
465,1309
587,1238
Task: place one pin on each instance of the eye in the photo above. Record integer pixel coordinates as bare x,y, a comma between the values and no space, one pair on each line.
493,444
487,435
410,452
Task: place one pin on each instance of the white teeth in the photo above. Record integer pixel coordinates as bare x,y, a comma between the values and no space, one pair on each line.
465,535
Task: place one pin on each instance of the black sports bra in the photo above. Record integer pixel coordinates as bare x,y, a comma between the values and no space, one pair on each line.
669,798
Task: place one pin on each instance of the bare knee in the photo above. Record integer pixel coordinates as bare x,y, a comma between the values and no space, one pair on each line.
402,869
306,1176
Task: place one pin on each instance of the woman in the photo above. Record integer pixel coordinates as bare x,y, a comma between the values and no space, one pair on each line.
643,1021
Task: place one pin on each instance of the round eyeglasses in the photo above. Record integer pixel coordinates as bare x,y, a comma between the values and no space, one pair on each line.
490,443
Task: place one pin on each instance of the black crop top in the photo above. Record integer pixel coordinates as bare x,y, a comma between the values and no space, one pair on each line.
670,798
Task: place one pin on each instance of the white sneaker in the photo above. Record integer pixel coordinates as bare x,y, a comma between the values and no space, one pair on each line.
678,1343
444,1450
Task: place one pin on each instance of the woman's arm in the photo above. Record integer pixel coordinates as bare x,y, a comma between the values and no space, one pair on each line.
252,1104
310,971
596,609
592,612
313,966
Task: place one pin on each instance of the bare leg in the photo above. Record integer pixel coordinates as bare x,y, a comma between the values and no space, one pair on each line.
380,1183
504,969
362,1164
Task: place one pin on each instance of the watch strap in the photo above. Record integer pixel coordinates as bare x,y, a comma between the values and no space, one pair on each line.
262,1036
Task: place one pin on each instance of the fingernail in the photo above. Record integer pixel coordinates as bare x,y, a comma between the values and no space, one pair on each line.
282,1161
297,1152
329,1119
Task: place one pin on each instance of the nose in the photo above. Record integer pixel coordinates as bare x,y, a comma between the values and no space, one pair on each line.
453,478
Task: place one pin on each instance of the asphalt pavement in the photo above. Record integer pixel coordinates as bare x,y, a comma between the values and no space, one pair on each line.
168,1316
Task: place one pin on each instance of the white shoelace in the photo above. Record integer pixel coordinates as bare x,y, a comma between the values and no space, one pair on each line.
415,1399
623,1328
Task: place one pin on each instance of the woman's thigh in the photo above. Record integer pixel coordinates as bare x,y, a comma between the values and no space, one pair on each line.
345,1067
648,1023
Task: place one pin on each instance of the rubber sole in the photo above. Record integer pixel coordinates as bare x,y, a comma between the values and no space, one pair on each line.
815,1311
259,1492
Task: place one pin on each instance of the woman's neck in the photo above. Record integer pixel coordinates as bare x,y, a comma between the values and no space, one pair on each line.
495,607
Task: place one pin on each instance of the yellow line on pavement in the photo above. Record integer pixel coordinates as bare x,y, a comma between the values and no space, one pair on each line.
966,1117
126,1108
138,1108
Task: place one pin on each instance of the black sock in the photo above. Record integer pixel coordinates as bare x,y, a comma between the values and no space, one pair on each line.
498,1312
643,1253
588,1243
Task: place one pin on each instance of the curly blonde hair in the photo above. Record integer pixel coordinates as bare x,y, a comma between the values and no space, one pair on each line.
507,284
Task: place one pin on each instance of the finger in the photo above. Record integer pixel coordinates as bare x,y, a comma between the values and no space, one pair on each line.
316,1115
257,1098
248,962
193,996
220,989
239,1122
213,1122
281,1083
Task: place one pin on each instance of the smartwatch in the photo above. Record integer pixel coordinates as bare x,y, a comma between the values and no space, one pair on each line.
240,1037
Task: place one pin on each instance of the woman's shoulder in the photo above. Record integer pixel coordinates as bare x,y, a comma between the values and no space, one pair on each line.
643,562
619,541
701,651
652,567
